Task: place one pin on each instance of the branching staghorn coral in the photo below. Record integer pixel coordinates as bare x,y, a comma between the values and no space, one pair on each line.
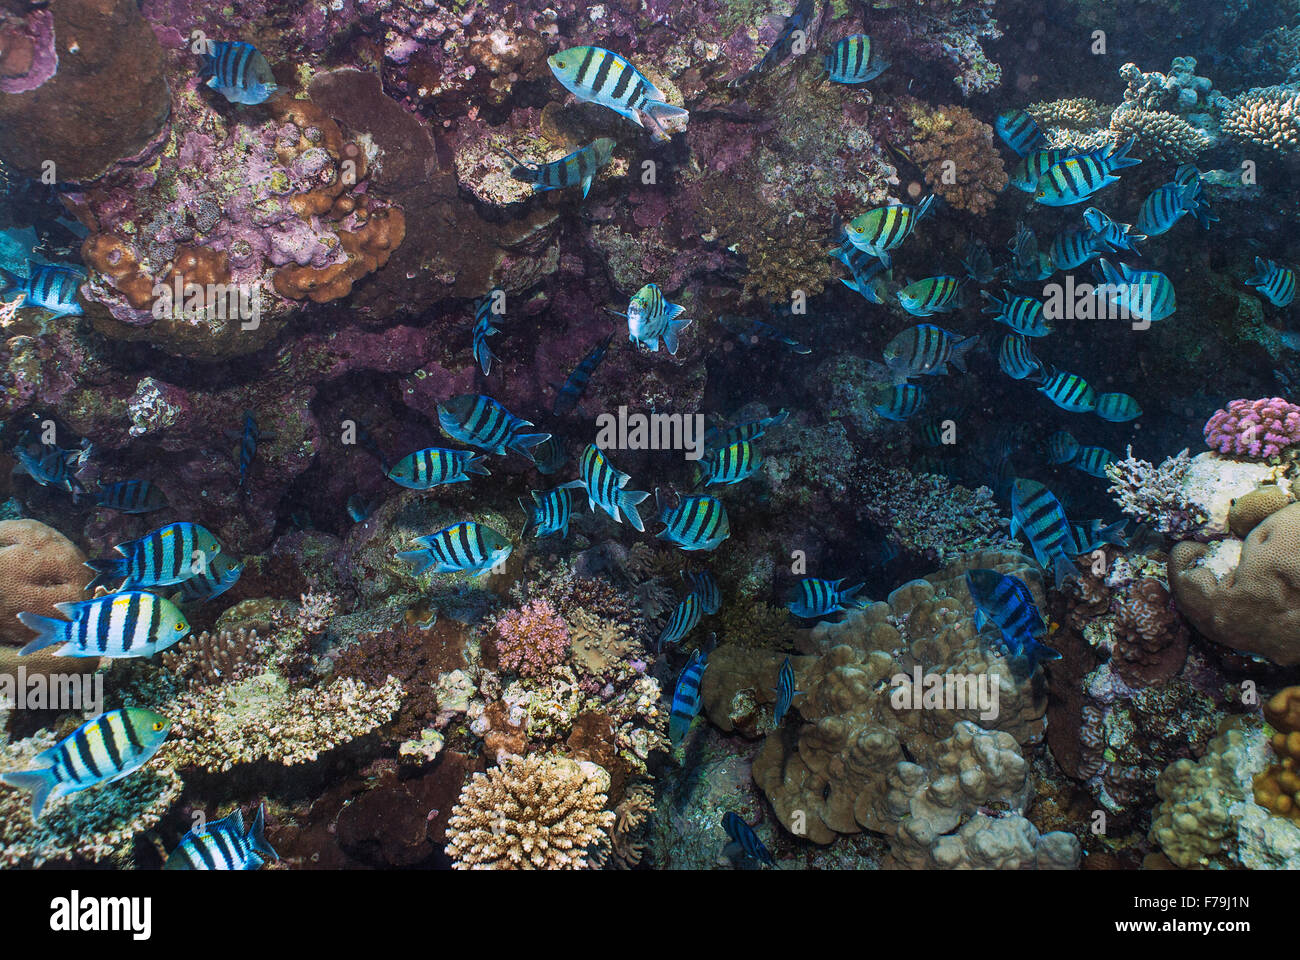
541,812
1153,495
531,639
1265,117
1163,135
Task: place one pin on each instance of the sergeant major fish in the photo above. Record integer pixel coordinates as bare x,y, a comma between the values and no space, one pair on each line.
217,576
1145,295
550,510
466,547
482,422
698,522
1075,179
855,59
925,349
650,316
706,588
900,401
684,618
1038,515
686,697
743,836
794,24
486,316
813,598
1069,391
1024,315
932,295
1274,281
1006,602
160,558
575,385
1095,534
117,626
105,749
1016,359
604,486
224,845
579,167
238,72
883,229
785,692
730,464
599,76
132,496
434,466
48,287
1019,131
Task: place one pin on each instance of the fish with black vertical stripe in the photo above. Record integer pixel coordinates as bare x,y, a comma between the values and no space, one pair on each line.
105,749
224,845
467,547
579,167
686,697
599,76
160,558
238,72
117,626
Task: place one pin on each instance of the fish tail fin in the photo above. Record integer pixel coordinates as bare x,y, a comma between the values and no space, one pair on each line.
653,115
9,281
257,836
670,334
110,570
1261,272
420,560
49,631
486,360
922,209
530,516
959,350
474,465
526,172
627,501
1063,569
40,782
523,443
1114,534
849,597
1119,158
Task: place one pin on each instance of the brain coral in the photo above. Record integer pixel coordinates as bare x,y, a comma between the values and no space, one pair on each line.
538,812
1245,594
39,567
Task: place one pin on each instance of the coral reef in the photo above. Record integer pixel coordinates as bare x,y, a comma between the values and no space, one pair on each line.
532,639
956,152
1278,787
1265,117
1156,495
540,812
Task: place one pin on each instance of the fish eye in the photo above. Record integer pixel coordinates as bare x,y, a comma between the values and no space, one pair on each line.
180,625
157,725
561,64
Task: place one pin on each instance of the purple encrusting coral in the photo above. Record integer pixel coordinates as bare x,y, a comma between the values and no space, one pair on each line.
532,638
1254,428
28,56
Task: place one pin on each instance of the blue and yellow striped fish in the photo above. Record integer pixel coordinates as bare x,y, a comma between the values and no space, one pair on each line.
1112,233
103,750
605,487
1274,281
685,617
48,287
1024,315
1069,391
686,697
749,430
785,692
224,845
1095,534
466,547
924,298
1015,358
868,271
698,522
1019,131
160,558
1006,602
570,392
550,510
743,836
1093,461
117,626
579,167
599,76
221,573
486,315
1039,517
813,598
1031,168
925,349
1062,447
902,400
482,422
434,466
238,72
1075,179
1117,407
56,468
1145,295
706,588
650,316
730,464
883,229
132,496
855,59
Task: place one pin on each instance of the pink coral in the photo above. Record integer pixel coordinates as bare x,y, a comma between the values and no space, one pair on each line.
531,639
1254,428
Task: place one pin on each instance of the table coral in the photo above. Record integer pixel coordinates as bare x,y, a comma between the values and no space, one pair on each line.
541,812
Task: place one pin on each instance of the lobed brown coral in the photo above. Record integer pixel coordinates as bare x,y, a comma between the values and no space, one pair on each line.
1278,787
541,812
1150,636
113,257
958,156
366,249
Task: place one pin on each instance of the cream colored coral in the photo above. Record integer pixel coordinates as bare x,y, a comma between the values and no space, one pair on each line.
1207,815
543,812
1267,117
